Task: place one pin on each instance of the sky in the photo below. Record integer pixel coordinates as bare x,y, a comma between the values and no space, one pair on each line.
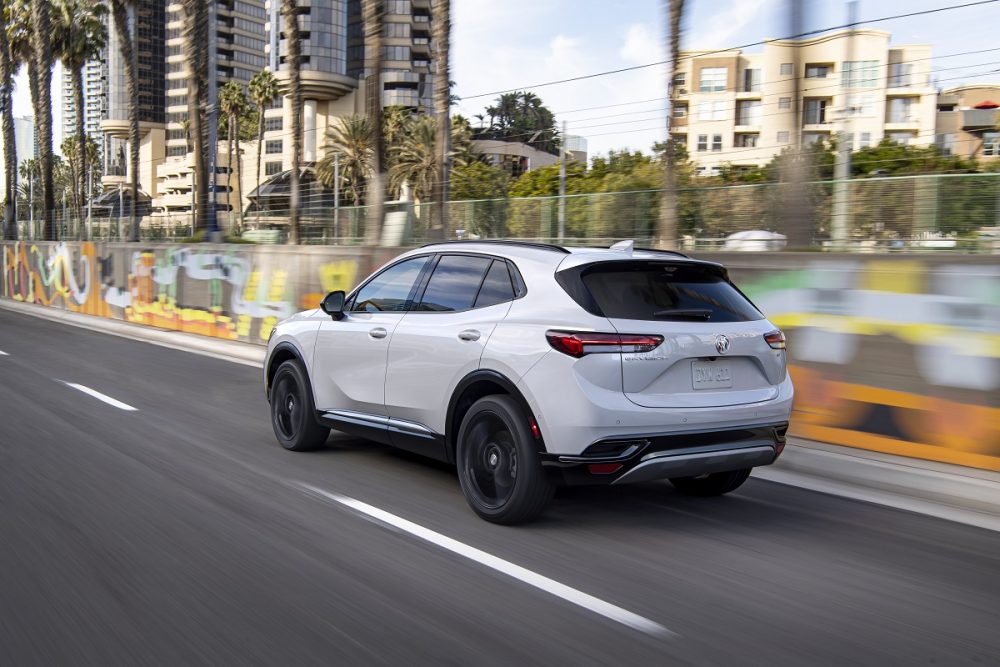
499,45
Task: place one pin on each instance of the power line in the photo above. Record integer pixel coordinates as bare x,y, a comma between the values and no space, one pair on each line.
733,48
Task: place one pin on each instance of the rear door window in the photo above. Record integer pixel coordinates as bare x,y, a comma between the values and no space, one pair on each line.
497,288
661,291
454,283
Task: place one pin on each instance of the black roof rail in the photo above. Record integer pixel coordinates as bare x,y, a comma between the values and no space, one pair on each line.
523,244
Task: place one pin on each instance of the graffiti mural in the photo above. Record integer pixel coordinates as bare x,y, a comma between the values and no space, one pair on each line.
900,356
235,293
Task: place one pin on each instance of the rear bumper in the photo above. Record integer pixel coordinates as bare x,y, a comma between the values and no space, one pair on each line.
650,457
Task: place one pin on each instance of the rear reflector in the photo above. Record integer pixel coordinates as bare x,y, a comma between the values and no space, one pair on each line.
775,339
604,468
581,343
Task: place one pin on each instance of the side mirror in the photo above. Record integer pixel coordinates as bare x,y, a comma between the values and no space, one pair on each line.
333,304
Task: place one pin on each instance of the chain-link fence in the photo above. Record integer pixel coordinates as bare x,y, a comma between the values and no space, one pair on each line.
959,212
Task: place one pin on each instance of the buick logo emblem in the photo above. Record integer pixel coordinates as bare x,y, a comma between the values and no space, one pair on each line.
722,344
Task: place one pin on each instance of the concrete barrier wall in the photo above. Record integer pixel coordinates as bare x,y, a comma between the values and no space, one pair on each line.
898,354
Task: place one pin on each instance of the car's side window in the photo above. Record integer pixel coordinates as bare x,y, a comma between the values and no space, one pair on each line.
454,283
390,290
497,288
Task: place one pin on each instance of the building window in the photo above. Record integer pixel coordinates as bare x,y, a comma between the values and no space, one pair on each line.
702,143
272,168
817,71
396,52
748,112
713,80
712,110
747,140
784,102
273,124
716,142
812,138
900,75
899,110
991,143
786,69
946,143
861,105
866,139
176,151
783,137
860,74
680,110
751,81
900,137
277,103
680,79
815,111
273,146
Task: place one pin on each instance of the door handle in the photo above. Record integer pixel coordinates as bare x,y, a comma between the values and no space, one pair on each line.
469,334
378,332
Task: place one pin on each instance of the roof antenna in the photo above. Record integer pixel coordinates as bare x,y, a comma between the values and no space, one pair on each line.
624,246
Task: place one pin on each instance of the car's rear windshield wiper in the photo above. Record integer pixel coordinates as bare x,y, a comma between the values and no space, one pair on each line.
685,313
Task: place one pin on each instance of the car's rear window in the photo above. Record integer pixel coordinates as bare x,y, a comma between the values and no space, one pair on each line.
665,291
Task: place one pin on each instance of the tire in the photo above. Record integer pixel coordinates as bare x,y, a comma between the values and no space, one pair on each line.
498,465
293,415
714,484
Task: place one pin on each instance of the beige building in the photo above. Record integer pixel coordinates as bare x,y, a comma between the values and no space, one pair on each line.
968,121
736,108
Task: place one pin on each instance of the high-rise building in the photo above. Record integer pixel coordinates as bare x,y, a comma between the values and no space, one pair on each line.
95,101
738,109
25,143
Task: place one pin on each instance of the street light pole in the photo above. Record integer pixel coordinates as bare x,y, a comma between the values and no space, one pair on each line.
841,219
562,185
336,196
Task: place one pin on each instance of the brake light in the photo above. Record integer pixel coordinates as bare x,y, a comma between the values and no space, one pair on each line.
579,343
775,339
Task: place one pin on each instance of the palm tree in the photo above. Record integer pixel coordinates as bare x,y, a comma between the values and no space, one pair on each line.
289,11
195,38
263,91
666,232
41,35
372,13
352,139
233,104
415,159
7,70
29,170
119,15
442,104
80,35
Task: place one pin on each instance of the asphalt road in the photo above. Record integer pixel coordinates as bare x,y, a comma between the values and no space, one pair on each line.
181,533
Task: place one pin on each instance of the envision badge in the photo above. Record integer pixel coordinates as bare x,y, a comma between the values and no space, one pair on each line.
722,343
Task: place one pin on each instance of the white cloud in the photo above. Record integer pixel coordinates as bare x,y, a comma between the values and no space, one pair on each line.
641,45
719,29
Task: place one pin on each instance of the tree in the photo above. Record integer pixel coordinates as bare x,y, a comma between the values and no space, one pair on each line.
521,116
415,158
41,34
119,15
441,33
372,15
7,71
666,232
263,90
79,35
486,185
195,37
233,104
293,59
351,138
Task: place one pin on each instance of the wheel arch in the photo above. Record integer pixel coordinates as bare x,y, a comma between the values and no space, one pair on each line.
470,389
284,351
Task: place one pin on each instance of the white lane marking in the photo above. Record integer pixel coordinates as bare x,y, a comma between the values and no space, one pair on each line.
99,396
567,593
3,354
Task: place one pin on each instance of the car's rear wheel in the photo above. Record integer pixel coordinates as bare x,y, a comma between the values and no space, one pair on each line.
714,484
498,465
293,416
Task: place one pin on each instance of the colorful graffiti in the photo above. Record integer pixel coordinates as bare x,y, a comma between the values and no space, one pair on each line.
897,356
234,294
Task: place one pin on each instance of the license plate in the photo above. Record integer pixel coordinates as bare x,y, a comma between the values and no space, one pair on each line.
711,375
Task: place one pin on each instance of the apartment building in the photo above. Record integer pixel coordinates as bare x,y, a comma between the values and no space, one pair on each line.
25,143
738,108
95,101
968,121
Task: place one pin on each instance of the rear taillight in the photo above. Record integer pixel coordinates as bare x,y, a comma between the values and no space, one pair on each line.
775,339
581,343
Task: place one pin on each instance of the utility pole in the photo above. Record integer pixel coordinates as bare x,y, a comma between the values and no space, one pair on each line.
31,205
840,223
212,118
90,201
562,185
336,196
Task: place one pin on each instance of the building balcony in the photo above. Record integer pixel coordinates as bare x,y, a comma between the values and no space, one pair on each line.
980,119
421,45
748,94
420,4
905,123
817,127
747,128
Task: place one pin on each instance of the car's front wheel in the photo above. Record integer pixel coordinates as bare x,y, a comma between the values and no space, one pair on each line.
714,484
293,416
498,465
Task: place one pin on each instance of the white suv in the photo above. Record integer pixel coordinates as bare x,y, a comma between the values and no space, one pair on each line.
529,365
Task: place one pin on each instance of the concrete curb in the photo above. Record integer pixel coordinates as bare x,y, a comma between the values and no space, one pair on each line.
955,493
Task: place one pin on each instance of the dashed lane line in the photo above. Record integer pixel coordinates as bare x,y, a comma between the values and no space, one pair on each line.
550,586
101,397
